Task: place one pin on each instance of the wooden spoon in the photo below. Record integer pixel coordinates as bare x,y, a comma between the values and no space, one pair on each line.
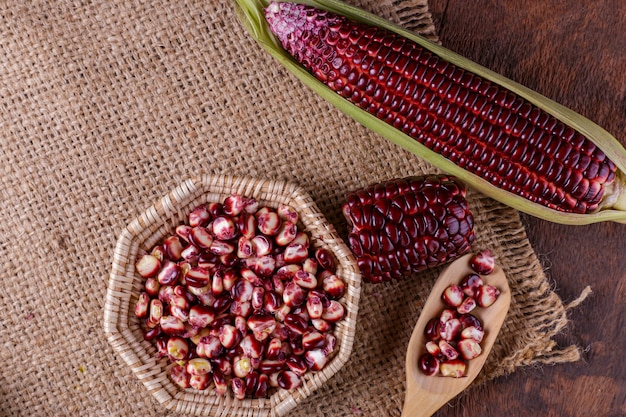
426,394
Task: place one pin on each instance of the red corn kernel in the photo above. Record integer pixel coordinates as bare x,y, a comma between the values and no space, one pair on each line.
183,232
201,237
238,387
200,382
173,247
262,386
454,368
221,247
199,216
269,223
180,376
334,286
148,265
297,364
450,329
295,253
321,325
453,296
466,306
469,320
470,284
433,348
334,312
469,348
313,339
169,273
224,228
447,350
473,332
305,279
198,366
315,359
172,325
209,347
286,233
432,328
229,336
287,213
261,244
486,295
155,312
288,380
177,348
325,259
220,383
242,367
143,305
233,205
293,295
483,262
428,364
295,324
197,277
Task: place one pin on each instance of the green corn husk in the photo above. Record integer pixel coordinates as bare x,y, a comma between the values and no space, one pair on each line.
251,15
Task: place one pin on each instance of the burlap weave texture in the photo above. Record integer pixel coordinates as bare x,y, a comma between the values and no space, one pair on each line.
107,106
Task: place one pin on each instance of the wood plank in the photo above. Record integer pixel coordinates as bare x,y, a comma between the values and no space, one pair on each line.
574,53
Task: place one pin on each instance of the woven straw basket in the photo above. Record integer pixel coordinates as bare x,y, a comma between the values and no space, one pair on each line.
124,331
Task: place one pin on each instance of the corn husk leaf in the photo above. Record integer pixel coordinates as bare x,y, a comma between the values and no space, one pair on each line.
251,15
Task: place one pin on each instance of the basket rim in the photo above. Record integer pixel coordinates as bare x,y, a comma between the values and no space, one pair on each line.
161,217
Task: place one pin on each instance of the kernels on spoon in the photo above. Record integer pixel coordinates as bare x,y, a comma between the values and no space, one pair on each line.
454,336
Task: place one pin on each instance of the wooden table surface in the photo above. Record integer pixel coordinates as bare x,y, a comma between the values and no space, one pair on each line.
575,53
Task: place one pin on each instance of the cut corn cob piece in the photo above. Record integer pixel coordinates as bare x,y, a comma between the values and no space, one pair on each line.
406,225
500,138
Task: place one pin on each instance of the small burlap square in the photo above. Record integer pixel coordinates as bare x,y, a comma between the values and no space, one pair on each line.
107,106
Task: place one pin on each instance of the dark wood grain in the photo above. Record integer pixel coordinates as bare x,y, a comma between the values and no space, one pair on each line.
574,53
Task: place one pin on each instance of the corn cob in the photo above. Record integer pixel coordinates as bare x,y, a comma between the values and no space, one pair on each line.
407,225
507,142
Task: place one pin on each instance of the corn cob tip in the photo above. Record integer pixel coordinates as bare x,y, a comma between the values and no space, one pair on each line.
615,197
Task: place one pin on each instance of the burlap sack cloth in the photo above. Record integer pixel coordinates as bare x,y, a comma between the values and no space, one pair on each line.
107,106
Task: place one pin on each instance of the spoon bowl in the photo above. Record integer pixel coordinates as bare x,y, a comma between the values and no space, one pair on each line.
426,394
